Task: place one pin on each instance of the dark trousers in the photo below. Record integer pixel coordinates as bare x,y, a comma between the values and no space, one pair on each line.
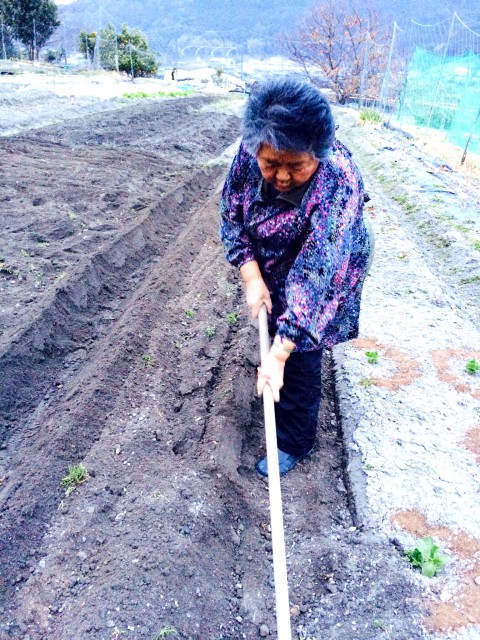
296,414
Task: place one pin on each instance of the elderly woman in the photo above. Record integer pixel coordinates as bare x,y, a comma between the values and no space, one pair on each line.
292,223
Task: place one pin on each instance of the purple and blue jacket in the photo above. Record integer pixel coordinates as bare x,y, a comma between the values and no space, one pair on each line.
311,245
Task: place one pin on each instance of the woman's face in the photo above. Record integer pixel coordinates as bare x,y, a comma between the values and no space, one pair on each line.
285,170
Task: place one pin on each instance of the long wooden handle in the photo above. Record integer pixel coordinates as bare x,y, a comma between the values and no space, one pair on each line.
276,515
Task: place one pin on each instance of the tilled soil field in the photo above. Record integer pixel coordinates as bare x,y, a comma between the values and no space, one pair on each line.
125,345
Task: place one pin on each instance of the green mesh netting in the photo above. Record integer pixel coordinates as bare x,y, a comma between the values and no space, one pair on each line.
443,93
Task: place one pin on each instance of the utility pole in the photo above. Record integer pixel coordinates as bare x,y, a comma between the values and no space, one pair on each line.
131,60
34,40
96,55
477,119
4,49
64,45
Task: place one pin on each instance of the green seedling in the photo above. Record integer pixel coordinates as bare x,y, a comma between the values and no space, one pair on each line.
190,313
232,317
427,557
472,367
210,332
368,467
400,199
470,280
370,115
476,245
165,632
372,357
25,254
379,624
147,360
366,382
76,475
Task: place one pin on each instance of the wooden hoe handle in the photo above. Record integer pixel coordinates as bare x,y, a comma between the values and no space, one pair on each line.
276,515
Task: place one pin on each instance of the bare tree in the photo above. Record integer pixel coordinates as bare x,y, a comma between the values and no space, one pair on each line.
346,46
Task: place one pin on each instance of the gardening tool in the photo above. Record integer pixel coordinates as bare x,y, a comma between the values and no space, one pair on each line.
276,515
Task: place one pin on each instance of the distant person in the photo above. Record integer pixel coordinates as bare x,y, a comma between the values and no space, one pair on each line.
292,221
173,74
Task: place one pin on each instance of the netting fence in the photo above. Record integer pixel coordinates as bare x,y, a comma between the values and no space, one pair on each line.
432,79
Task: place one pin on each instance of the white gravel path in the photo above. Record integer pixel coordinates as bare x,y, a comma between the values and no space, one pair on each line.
406,446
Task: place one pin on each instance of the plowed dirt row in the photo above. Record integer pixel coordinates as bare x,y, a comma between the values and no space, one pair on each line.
109,234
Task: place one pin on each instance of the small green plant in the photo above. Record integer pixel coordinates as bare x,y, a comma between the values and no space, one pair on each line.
427,557
372,357
470,279
400,199
472,367
77,474
232,317
476,245
379,624
210,332
190,313
165,632
368,467
142,95
369,115
146,359
25,254
366,382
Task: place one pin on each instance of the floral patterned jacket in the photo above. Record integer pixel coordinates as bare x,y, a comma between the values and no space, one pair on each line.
312,248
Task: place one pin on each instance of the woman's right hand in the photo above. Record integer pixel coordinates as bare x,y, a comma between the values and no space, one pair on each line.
256,289
258,294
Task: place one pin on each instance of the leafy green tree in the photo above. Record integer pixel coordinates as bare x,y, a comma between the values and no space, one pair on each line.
7,48
33,22
134,55
86,44
109,51
126,51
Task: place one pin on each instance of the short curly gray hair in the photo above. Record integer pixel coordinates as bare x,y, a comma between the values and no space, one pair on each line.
289,114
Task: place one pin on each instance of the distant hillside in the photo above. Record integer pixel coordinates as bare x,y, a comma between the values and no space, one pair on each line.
180,28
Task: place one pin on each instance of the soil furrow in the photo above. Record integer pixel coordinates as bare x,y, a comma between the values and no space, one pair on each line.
171,526
71,320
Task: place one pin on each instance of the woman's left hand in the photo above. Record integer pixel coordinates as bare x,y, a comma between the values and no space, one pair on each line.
271,373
